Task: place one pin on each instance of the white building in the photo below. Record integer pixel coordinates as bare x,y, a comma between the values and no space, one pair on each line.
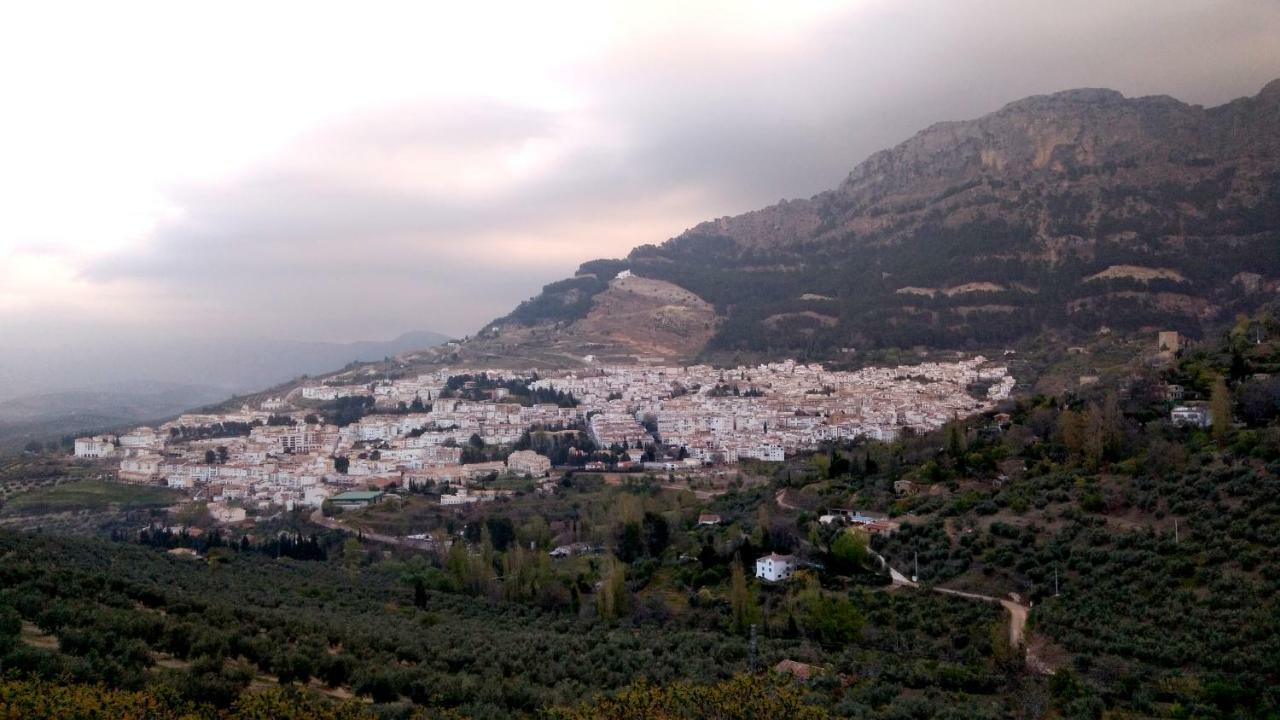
143,438
1182,415
226,513
774,567
528,462
98,446
768,452
141,468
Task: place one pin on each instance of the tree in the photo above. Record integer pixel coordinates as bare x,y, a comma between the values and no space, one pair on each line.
1071,432
955,440
1260,401
34,447
1094,437
630,544
829,618
613,601
742,698
657,534
1220,411
210,457
745,609
838,465
502,532
351,554
850,550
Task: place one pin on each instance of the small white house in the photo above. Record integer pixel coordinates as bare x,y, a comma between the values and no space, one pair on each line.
1191,416
774,567
98,446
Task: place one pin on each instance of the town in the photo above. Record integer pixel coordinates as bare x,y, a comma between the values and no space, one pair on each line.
451,430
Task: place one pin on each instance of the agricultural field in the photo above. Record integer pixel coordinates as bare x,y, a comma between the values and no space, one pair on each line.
80,495
22,473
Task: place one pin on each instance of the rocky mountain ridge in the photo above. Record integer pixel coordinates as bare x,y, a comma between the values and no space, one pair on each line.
1075,211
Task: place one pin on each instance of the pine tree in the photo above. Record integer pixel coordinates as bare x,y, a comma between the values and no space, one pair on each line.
1220,411
745,611
612,601
955,439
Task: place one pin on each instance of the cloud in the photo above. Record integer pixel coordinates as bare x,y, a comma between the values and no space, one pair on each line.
441,211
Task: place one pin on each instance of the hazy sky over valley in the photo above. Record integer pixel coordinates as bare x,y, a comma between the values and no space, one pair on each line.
338,172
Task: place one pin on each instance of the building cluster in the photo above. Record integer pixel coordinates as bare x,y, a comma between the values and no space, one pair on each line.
283,452
769,411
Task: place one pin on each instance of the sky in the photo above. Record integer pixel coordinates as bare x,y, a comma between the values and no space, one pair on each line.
320,171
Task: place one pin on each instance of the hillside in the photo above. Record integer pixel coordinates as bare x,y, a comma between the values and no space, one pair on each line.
1073,211
1094,514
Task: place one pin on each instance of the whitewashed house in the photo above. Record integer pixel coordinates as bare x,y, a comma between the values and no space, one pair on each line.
98,446
775,568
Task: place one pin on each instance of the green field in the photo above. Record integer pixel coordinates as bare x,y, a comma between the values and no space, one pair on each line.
90,495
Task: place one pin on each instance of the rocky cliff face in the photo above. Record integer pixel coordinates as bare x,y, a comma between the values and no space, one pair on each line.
1075,210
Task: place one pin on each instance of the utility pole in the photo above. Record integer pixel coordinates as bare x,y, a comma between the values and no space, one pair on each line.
1175,531
915,576
1055,581
753,648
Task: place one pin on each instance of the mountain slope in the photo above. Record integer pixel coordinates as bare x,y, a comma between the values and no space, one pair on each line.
1071,211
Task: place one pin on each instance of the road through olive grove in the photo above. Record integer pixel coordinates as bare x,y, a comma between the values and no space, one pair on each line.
1017,611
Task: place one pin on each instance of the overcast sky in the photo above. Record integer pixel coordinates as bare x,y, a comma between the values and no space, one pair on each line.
352,171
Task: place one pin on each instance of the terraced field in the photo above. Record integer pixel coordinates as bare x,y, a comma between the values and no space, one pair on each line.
23,473
89,494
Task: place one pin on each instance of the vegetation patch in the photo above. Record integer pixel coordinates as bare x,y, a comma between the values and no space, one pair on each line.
90,495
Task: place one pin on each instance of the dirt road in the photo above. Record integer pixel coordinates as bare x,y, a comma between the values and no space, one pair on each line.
781,499
318,518
1017,611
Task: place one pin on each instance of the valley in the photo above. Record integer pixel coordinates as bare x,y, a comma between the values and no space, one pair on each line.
989,430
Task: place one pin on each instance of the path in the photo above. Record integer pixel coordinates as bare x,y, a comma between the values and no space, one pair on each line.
781,499
318,518
1017,611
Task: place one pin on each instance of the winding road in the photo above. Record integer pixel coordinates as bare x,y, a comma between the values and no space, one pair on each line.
1017,611
781,499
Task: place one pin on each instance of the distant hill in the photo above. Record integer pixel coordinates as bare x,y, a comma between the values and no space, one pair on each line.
1071,212
49,393
49,416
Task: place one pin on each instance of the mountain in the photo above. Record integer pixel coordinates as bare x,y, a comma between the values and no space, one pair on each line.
44,394
1068,212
